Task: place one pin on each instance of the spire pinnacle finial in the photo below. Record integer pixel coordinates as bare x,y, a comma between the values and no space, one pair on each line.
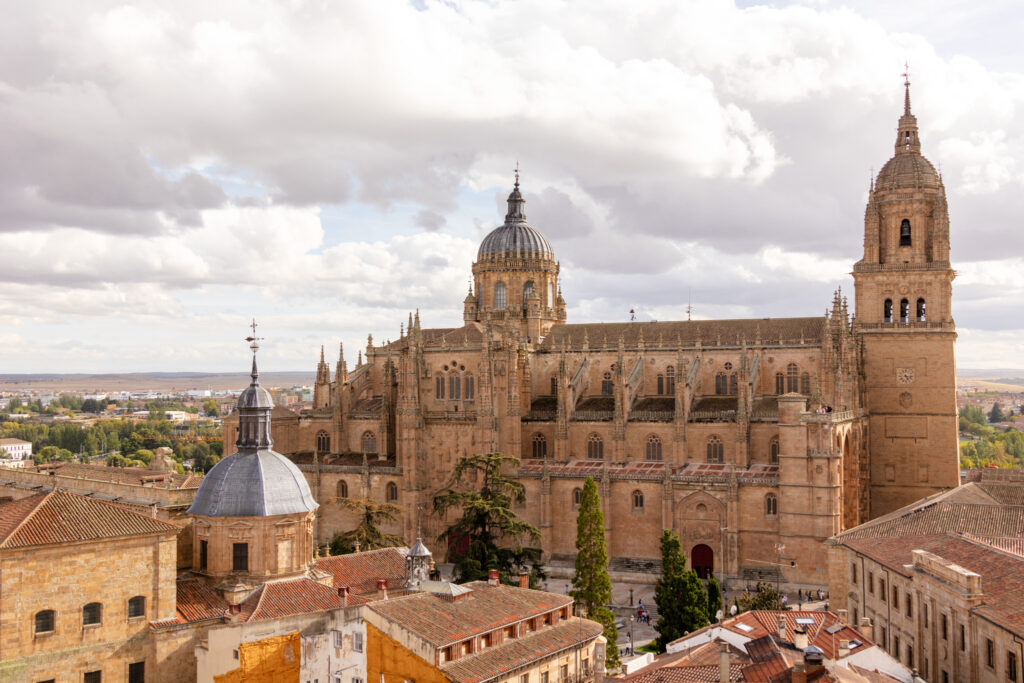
517,174
906,84
254,344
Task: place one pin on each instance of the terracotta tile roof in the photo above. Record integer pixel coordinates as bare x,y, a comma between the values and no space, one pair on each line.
360,571
441,621
137,476
279,599
696,664
13,442
196,601
513,654
730,332
60,516
766,623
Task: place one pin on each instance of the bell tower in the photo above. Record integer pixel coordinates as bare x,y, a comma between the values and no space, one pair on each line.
903,315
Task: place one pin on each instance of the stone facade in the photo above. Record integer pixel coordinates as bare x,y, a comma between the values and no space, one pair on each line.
755,440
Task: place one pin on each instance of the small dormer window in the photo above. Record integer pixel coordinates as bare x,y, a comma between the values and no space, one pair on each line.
905,233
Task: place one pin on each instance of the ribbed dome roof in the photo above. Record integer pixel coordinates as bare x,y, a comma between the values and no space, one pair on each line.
516,235
259,484
907,170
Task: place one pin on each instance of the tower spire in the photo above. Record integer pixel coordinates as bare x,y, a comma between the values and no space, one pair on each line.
907,139
906,84
516,213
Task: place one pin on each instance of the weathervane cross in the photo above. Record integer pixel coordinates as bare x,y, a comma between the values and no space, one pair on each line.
517,172
906,73
253,339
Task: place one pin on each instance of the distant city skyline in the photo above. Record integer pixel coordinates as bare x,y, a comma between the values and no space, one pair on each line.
171,173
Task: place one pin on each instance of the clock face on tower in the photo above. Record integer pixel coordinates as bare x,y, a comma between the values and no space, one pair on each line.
904,375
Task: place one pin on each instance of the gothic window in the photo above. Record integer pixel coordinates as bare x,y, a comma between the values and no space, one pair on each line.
638,500
716,451
905,233
391,492
773,451
805,383
137,605
240,557
887,312
499,296
45,621
342,489
369,442
607,384
792,378
595,447
540,446
904,311
577,497
439,386
661,385
771,505
670,380
780,383
527,290
454,386
91,614
323,442
733,384
721,384
653,447
554,386
920,311
470,389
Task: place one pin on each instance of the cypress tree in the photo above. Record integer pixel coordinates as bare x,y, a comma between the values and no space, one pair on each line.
682,602
591,584
714,597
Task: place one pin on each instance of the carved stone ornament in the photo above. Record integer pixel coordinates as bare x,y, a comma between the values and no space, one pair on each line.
906,399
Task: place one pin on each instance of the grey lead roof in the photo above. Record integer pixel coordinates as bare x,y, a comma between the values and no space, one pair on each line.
516,235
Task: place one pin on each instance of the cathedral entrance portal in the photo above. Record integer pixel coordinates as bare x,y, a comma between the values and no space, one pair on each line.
702,559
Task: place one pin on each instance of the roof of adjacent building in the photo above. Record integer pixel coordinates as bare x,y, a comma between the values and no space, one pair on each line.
14,442
441,621
260,484
697,664
136,476
60,516
360,571
197,601
754,331
279,599
581,469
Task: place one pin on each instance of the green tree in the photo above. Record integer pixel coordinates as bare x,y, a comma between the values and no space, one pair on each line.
367,533
996,414
714,597
682,602
210,407
592,587
764,598
488,534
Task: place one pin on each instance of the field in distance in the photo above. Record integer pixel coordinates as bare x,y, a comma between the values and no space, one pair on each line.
162,382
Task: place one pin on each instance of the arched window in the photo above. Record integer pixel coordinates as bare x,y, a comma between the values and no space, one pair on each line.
905,233
439,386
887,311
45,621
342,489
670,380
780,383
606,384
91,614
904,311
792,378
920,311
721,384
527,290
554,386
470,389
454,386
595,447
391,492
653,447
733,384
661,384
369,442
323,442
716,452
773,451
499,296
540,446
805,383
577,497
137,606
638,500
771,505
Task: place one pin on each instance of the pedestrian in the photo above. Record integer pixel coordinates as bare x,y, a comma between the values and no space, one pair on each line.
819,594
800,595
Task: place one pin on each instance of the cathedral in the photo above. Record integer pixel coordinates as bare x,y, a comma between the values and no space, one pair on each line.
755,440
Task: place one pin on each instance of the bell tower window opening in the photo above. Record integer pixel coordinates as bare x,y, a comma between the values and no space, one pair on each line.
904,311
716,452
540,446
792,378
653,448
439,387
499,296
606,384
887,311
595,447
670,380
920,311
905,233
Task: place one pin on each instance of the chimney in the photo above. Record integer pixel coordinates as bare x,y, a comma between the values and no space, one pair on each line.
492,577
799,638
235,609
866,629
844,649
843,616
382,589
524,580
799,673
782,627
343,593
723,662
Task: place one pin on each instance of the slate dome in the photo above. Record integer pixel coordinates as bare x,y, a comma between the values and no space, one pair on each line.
515,236
908,171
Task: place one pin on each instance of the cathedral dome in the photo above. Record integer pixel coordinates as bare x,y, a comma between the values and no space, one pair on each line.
908,170
261,484
516,236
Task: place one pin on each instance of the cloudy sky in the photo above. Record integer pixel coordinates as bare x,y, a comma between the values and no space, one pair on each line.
170,170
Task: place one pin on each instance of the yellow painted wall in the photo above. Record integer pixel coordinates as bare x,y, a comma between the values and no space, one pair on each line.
271,660
389,662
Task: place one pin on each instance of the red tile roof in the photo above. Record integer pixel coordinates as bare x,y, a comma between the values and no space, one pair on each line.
285,598
697,664
136,476
766,623
360,571
441,621
60,516
198,602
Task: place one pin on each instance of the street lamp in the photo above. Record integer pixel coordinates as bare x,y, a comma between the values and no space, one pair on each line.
631,620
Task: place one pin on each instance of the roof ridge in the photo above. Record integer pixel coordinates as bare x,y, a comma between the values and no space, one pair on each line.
30,515
262,590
